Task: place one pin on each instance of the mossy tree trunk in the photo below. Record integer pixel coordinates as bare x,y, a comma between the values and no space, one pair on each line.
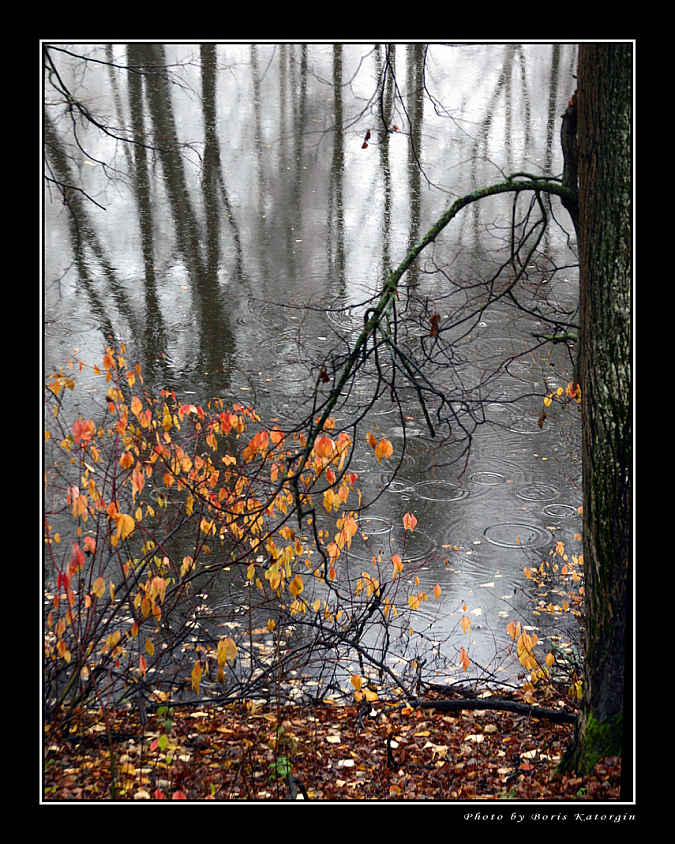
604,103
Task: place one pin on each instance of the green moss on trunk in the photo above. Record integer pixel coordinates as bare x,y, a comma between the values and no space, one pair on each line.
601,738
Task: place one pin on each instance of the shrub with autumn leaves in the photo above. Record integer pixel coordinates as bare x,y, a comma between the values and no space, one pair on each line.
148,507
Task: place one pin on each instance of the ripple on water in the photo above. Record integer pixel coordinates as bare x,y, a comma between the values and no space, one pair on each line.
488,469
560,511
439,491
396,485
487,478
517,535
374,525
382,539
524,425
537,492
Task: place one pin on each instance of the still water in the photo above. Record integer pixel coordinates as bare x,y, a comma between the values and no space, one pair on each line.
233,207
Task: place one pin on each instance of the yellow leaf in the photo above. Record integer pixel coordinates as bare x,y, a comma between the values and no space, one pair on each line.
356,681
226,650
149,647
437,591
99,587
328,500
549,659
125,526
271,625
466,623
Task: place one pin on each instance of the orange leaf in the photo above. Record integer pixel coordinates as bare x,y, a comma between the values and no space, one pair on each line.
83,430
513,629
295,587
384,449
196,676
324,446
409,521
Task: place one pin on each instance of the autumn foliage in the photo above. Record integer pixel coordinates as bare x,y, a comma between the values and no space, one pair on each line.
148,505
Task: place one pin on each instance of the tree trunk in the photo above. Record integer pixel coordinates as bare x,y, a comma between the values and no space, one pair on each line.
604,103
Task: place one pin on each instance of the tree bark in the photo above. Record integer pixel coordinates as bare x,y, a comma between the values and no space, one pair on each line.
604,113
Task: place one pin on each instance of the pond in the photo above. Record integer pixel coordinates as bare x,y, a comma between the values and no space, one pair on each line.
230,210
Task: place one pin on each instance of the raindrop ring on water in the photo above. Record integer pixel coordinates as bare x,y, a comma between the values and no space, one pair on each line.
487,478
439,491
560,511
537,492
517,535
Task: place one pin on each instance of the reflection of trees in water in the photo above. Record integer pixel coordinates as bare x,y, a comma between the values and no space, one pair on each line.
155,339
213,179
335,240
84,240
158,98
215,340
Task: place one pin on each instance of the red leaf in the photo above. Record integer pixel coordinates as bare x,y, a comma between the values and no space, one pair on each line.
76,559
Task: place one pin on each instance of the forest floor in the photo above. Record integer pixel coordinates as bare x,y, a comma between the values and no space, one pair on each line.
319,753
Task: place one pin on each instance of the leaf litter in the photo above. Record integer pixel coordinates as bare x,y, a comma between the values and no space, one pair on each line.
327,752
